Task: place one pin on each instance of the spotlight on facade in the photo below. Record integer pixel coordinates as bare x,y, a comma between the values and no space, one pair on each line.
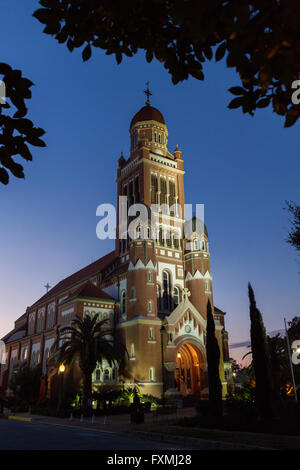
179,355
62,368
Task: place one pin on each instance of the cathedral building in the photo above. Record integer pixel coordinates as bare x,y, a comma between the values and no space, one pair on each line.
153,287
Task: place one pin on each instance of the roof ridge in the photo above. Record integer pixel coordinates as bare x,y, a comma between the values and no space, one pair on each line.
76,277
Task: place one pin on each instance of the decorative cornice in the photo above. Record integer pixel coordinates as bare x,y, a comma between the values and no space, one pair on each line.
140,265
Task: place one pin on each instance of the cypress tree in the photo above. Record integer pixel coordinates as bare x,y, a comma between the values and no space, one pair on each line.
213,360
261,360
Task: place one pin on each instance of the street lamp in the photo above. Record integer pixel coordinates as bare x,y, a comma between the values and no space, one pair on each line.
61,371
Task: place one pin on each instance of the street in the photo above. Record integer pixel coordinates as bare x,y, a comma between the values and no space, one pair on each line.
17,435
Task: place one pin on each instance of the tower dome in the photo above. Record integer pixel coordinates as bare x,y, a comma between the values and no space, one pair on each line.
147,113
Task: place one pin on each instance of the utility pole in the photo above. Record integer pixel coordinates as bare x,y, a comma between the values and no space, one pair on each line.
290,359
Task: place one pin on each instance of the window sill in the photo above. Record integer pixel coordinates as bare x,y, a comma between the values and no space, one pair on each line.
151,341
132,358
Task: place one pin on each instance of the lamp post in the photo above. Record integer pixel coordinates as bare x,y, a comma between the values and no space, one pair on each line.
290,359
61,371
162,332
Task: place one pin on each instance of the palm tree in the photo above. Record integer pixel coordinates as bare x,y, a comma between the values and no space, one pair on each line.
89,341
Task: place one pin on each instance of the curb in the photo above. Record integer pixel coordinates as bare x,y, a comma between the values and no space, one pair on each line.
19,418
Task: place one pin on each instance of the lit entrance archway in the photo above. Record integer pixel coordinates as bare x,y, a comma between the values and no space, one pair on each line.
188,373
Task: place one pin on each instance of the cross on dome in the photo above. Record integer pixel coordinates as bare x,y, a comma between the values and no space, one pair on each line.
148,94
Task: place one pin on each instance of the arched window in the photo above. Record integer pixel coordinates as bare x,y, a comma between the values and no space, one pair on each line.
151,374
176,296
166,290
203,245
151,334
150,276
139,232
150,307
98,375
160,236
106,375
132,351
158,293
196,244
148,233
207,285
176,239
132,293
123,301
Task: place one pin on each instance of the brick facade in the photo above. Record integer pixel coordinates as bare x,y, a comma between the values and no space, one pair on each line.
154,290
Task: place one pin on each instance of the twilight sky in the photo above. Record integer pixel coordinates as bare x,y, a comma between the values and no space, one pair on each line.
242,168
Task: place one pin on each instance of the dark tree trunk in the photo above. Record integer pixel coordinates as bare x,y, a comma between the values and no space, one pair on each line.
213,360
261,360
87,391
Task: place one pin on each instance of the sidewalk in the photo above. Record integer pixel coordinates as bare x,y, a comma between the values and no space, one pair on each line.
114,423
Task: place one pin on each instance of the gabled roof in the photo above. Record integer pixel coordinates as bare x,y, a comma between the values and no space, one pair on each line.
77,277
89,290
217,310
16,333
180,311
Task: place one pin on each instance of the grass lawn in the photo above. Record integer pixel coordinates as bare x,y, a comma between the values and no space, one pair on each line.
260,440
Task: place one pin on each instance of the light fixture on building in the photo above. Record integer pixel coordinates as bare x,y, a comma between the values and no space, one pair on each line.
179,355
62,368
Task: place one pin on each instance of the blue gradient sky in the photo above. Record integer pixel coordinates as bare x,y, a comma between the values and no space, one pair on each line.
241,168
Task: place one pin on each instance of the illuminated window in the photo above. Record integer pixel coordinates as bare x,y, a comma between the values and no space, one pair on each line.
151,334
151,374
106,375
150,307
132,351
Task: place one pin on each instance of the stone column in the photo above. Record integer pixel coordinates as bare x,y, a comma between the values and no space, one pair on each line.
171,392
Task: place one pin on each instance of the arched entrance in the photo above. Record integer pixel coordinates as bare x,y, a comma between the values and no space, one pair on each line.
188,374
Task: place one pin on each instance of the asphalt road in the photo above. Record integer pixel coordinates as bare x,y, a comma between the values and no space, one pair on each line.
17,435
